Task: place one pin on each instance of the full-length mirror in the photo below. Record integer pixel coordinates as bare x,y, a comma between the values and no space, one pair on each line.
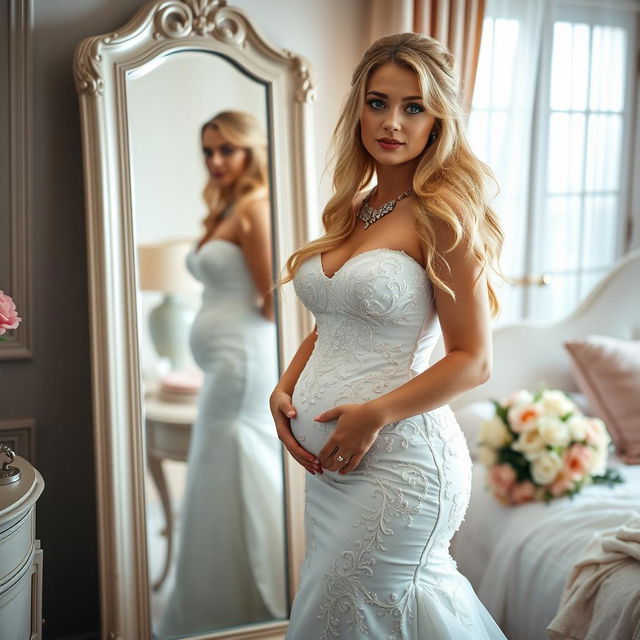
198,188
197,132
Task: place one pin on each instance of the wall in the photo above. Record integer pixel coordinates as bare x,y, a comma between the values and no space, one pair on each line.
54,387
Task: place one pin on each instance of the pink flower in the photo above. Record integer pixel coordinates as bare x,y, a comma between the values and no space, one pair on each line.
522,492
8,314
561,484
501,478
576,461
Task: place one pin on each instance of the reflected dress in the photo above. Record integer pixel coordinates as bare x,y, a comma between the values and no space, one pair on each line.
377,563
230,561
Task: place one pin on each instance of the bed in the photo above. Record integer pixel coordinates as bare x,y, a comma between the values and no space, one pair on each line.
518,558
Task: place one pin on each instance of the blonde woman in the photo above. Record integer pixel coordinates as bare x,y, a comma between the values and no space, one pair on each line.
230,565
359,406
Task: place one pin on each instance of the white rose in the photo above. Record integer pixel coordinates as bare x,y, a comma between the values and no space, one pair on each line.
604,434
518,398
597,433
577,428
555,402
598,462
530,444
545,467
524,416
494,433
553,431
486,455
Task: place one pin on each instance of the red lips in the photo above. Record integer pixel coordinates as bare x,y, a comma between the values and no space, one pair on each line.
389,140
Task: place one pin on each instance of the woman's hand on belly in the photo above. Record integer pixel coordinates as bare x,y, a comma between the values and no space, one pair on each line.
356,430
282,411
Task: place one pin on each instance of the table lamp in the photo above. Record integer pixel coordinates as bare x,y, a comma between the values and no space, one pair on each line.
162,267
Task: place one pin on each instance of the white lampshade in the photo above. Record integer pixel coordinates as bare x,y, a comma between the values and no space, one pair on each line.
163,267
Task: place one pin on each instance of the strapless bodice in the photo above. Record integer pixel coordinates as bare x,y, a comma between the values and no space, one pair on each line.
229,320
376,327
221,266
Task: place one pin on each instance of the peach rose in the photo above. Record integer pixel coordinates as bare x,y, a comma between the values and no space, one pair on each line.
9,318
577,459
523,417
501,479
561,484
522,492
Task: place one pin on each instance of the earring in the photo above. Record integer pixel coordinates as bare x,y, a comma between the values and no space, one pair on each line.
432,137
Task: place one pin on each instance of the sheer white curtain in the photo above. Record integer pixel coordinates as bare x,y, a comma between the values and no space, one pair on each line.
502,121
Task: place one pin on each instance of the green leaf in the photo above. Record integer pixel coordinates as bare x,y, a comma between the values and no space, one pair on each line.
610,477
501,412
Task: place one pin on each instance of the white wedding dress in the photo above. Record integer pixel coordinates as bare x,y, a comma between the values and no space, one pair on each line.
377,562
230,561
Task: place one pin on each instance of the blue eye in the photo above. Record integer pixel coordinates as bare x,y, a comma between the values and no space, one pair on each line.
370,102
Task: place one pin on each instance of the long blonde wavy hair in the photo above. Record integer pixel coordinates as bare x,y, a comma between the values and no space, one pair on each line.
448,171
242,130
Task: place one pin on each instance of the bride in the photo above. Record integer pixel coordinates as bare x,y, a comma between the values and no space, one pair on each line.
359,406
230,560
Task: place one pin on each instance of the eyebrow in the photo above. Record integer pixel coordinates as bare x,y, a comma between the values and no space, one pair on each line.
384,95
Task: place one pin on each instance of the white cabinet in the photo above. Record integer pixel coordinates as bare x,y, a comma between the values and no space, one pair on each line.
20,556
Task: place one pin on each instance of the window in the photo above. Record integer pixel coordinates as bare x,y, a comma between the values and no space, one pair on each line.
566,213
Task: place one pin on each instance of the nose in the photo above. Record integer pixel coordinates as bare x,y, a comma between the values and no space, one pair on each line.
391,122
216,159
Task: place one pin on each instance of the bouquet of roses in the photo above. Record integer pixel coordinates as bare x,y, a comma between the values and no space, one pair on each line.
9,318
540,446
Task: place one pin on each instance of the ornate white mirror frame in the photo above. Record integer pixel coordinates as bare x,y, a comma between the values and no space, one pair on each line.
101,66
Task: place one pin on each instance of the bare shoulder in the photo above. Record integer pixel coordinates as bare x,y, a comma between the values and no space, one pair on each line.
252,212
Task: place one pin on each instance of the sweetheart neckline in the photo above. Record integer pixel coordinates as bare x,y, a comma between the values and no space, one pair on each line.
364,253
196,249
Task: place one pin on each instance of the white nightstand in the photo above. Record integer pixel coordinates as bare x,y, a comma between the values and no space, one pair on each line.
20,555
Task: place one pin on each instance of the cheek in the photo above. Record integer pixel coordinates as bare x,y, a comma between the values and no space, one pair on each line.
421,133
366,123
237,162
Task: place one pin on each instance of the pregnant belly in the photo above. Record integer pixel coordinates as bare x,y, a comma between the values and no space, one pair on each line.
310,434
237,333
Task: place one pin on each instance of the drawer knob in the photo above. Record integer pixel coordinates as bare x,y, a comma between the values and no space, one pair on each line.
8,474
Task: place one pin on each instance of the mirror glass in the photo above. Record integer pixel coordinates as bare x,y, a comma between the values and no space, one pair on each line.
208,343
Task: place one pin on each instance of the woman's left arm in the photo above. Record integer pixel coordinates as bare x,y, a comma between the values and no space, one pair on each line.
255,239
466,331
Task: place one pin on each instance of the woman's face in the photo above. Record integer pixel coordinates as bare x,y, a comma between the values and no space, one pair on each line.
393,109
225,162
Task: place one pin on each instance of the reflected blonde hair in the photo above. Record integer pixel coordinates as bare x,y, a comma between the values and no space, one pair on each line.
242,130
449,181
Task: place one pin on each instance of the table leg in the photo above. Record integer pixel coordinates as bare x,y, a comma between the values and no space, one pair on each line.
157,473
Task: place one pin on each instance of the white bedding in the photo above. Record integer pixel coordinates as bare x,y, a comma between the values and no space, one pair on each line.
518,558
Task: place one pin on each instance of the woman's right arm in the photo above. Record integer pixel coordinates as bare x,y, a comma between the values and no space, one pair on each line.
282,409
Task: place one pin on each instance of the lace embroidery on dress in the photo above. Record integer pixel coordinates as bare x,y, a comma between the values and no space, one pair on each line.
344,587
377,297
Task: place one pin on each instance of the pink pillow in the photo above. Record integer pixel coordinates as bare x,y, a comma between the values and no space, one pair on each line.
607,371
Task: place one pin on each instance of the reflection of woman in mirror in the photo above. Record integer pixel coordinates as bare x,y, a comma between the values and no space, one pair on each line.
230,566
359,406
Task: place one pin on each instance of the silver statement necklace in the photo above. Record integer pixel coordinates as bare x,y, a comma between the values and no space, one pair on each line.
369,215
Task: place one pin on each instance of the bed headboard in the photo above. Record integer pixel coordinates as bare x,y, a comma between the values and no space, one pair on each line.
527,355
